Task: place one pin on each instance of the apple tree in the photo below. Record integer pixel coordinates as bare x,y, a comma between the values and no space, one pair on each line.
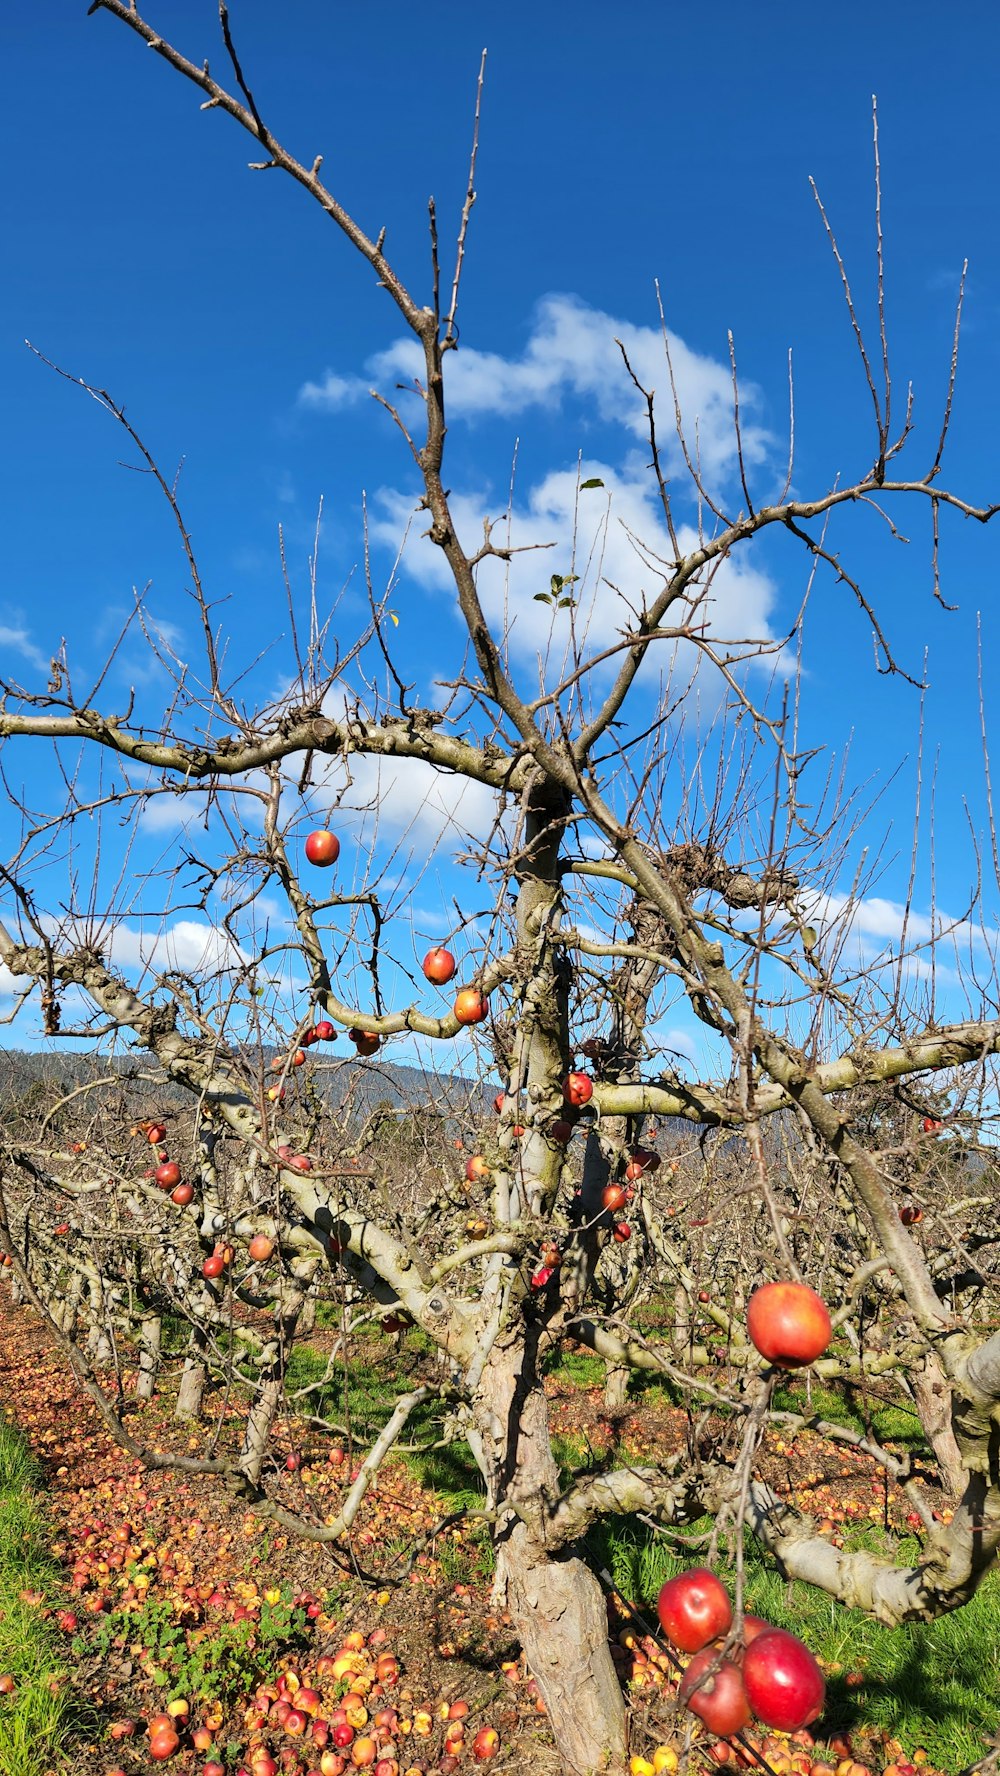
639,856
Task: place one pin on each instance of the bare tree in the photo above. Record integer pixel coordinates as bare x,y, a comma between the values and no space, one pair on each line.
811,1126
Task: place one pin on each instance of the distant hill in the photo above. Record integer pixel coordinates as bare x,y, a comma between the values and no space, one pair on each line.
358,1086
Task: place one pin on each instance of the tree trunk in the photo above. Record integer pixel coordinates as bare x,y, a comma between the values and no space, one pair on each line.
558,1609
932,1397
272,1363
192,1388
258,1431
556,1604
149,1356
616,1382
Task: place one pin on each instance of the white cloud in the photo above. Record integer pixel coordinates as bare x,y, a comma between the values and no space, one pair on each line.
410,800
873,917
190,946
572,350
614,538
16,636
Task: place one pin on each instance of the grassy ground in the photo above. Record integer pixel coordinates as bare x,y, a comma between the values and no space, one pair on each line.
33,1720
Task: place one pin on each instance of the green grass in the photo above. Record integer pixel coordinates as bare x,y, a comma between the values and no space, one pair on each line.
935,1684
34,1723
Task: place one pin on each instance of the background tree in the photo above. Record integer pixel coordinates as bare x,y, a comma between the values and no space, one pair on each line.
660,835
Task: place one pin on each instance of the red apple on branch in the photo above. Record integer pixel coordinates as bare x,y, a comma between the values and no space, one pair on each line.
578,1089
694,1608
713,1690
471,1006
788,1323
783,1683
439,966
322,848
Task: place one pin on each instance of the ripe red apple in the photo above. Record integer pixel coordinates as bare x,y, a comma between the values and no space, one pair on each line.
486,1744
641,1161
324,1031
164,1744
694,1608
213,1266
716,1696
155,1133
910,1214
752,1626
788,1323
261,1248
182,1195
322,848
621,1232
498,1103
439,966
783,1682
613,1197
365,1041
578,1089
932,1126
477,1169
471,1006
541,1276
300,1162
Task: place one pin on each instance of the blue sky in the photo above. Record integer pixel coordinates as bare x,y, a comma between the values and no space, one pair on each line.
661,143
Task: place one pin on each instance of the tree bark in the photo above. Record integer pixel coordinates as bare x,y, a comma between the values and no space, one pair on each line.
932,1396
192,1388
555,1602
149,1356
616,1382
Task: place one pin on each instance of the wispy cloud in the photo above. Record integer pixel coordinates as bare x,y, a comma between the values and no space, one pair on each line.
14,637
572,350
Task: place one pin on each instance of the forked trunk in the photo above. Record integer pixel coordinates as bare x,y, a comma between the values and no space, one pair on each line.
556,1604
